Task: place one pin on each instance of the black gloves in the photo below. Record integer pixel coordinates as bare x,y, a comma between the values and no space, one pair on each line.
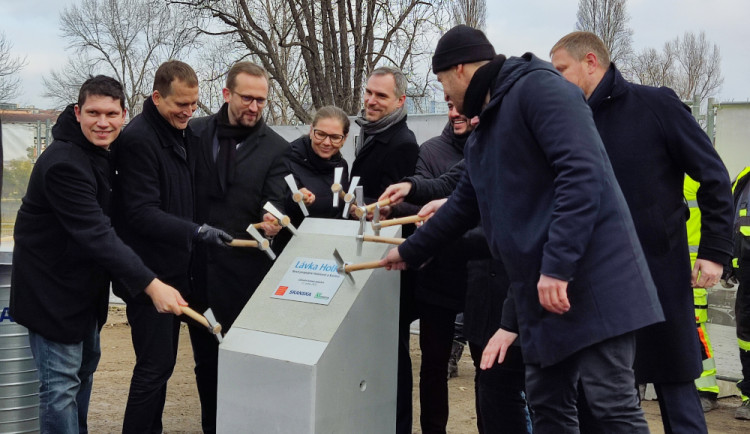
211,235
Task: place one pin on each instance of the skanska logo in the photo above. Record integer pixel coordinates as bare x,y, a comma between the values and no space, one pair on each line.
302,293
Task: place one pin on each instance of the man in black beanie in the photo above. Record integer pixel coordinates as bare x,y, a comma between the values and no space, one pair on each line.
540,181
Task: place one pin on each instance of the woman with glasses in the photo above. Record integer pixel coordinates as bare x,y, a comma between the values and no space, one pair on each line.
313,160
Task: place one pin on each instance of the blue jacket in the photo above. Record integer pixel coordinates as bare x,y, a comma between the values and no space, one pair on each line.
540,180
652,141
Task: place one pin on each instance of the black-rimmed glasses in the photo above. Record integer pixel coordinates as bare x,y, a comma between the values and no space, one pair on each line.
336,139
248,100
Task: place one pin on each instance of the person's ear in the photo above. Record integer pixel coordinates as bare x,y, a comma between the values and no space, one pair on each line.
592,62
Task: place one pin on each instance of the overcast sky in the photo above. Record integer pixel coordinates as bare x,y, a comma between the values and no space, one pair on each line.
513,26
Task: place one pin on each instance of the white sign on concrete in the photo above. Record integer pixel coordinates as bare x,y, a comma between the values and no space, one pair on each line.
310,280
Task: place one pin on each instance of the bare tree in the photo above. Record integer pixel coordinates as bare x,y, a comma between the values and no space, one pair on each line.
608,19
653,68
62,85
319,52
473,13
127,39
697,66
690,65
10,66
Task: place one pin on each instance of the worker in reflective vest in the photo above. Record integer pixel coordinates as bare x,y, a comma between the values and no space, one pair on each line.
706,384
741,192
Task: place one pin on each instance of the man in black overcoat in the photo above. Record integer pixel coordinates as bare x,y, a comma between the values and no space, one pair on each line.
239,165
385,152
652,141
155,218
66,252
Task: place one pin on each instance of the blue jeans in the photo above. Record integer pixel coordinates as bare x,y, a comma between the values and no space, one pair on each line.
66,374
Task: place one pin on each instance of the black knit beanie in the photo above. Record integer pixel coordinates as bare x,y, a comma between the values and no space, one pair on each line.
461,44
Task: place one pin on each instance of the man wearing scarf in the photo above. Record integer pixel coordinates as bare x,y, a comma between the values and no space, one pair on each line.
386,151
155,218
539,180
239,165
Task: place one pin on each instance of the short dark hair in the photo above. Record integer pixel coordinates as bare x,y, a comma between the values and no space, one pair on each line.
578,44
104,86
332,112
398,77
170,71
249,68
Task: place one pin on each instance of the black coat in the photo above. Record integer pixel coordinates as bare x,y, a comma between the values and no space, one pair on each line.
154,194
487,281
226,278
315,174
389,157
65,247
539,177
652,141
442,281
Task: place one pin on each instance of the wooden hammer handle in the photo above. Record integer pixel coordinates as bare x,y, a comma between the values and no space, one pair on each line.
249,243
369,208
384,202
243,243
386,240
362,266
402,221
196,316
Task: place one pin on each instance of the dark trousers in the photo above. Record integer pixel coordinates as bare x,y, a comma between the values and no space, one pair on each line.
606,376
404,376
680,407
155,337
499,394
436,327
206,356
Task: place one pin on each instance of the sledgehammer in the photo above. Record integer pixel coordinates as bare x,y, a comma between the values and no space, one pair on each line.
207,320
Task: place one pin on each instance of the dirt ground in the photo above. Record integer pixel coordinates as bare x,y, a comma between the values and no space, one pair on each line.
182,409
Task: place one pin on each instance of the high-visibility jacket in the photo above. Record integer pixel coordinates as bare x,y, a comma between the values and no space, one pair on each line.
707,381
741,193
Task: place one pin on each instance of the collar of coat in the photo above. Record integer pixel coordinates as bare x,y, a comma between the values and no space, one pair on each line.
383,137
612,85
205,127
513,69
456,141
169,136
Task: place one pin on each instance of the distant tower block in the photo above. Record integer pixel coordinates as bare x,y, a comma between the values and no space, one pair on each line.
296,367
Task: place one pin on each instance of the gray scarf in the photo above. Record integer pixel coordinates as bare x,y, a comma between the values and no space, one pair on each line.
368,129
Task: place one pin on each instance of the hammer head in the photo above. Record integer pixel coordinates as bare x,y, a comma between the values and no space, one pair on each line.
296,195
376,219
214,325
283,220
338,172
262,242
349,196
341,266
